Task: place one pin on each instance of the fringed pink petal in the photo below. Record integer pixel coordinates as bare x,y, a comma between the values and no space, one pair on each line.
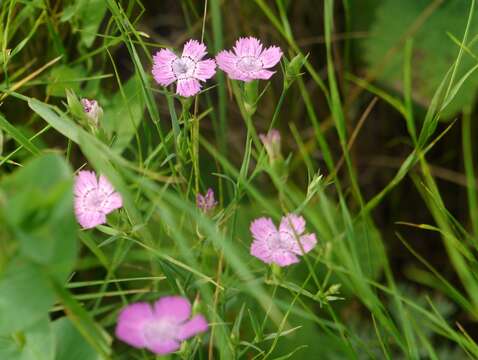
177,308
194,49
263,74
205,69
163,347
284,258
131,322
162,67
293,224
248,47
262,228
261,250
196,325
85,181
271,56
188,87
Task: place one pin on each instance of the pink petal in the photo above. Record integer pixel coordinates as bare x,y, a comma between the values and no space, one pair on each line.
248,47
292,224
177,308
271,56
308,242
130,324
226,61
205,69
284,258
196,325
262,74
163,346
194,49
89,219
162,67
261,250
114,202
85,181
262,228
105,186
188,87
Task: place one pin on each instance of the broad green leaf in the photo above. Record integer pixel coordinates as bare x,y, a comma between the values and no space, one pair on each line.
90,16
65,77
123,113
39,211
70,345
433,50
25,296
35,343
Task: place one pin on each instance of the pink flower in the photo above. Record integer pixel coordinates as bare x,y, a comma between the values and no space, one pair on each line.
249,60
160,328
206,202
94,199
281,246
187,70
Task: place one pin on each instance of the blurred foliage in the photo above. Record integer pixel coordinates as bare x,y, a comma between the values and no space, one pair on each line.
432,25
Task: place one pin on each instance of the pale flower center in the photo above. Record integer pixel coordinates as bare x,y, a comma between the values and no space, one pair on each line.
275,242
281,241
183,67
249,64
94,200
160,330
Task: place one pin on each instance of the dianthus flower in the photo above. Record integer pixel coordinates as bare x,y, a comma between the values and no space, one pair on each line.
94,199
187,70
248,60
159,328
281,246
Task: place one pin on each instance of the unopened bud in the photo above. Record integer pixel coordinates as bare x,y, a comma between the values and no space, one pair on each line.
93,111
293,68
272,143
206,202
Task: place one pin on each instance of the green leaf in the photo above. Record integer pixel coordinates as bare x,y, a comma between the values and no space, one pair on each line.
39,211
431,56
17,135
123,113
25,296
91,332
90,16
65,77
70,345
36,343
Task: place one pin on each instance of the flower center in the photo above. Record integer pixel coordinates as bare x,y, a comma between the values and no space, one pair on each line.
94,200
274,242
249,63
183,67
159,330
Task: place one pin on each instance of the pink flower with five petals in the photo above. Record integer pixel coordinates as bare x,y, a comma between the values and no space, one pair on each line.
249,60
281,246
160,328
186,70
94,199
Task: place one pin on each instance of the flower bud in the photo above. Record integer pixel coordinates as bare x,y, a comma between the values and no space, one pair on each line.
92,110
206,202
272,142
293,68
